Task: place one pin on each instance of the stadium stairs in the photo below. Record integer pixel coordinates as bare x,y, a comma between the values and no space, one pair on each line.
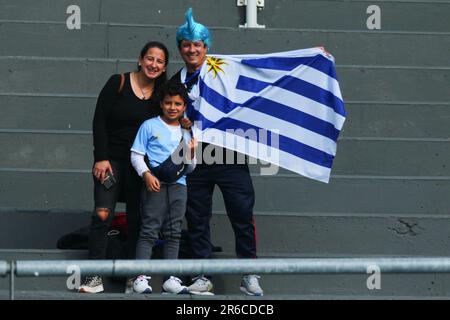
390,185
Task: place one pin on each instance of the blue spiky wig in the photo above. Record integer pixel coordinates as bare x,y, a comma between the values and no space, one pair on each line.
193,31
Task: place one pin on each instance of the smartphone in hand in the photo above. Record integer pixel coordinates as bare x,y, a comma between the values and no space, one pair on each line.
109,180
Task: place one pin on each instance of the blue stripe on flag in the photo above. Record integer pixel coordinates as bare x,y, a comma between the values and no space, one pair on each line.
317,62
272,108
297,86
252,85
216,99
286,144
293,116
313,92
196,116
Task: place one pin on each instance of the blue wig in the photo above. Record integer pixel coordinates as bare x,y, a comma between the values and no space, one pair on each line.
193,31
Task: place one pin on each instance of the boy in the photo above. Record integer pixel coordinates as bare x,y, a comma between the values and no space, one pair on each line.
163,201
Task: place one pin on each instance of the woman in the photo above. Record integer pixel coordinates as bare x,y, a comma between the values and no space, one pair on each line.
124,103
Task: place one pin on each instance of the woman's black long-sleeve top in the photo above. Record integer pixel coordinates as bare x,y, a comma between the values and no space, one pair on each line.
117,118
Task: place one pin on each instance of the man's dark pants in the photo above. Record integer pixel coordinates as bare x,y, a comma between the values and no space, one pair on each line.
235,183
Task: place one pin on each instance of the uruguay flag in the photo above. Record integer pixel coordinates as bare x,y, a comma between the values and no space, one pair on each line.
284,108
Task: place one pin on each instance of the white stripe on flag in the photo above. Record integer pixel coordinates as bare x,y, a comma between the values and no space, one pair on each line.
270,123
267,153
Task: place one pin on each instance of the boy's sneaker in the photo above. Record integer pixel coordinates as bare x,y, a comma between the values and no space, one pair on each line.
250,285
174,285
129,284
140,285
92,284
201,286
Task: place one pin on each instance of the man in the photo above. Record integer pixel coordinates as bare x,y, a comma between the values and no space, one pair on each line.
234,179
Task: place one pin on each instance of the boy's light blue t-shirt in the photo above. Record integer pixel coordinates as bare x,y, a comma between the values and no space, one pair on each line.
158,141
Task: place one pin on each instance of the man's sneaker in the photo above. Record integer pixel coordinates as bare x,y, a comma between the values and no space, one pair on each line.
174,285
250,285
92,284
201,286
140,285
129,286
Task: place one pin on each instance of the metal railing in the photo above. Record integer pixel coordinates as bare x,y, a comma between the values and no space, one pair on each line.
35,268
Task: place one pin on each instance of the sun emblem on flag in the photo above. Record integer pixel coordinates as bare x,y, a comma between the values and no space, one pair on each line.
214,65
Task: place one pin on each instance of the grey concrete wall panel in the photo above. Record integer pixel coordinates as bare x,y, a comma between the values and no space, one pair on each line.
316,235
363,120
42,229
390,157
209,13
87,76
52,39
46,190
349,47
355,157
397,120
368,195
47,112
48,10
385,158
395,15
419,16
41,254
73,191
67,76
279,234
394,84
364,47
46,151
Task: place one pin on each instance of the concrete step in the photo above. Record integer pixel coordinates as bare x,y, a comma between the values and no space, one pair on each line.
356,156
364,119
307,286
404,120
53,189
48,10
125,41
279,234
360,83
48,112
417,15
351,15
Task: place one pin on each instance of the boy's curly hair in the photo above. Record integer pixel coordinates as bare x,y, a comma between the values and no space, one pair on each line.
175,89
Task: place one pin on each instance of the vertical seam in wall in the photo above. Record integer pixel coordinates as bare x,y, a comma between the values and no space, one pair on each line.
107,28
100,7
107,40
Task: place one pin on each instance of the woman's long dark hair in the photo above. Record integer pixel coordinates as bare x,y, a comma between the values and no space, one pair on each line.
162,79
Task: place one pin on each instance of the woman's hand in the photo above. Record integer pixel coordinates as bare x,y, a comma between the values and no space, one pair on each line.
100,168
151,182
